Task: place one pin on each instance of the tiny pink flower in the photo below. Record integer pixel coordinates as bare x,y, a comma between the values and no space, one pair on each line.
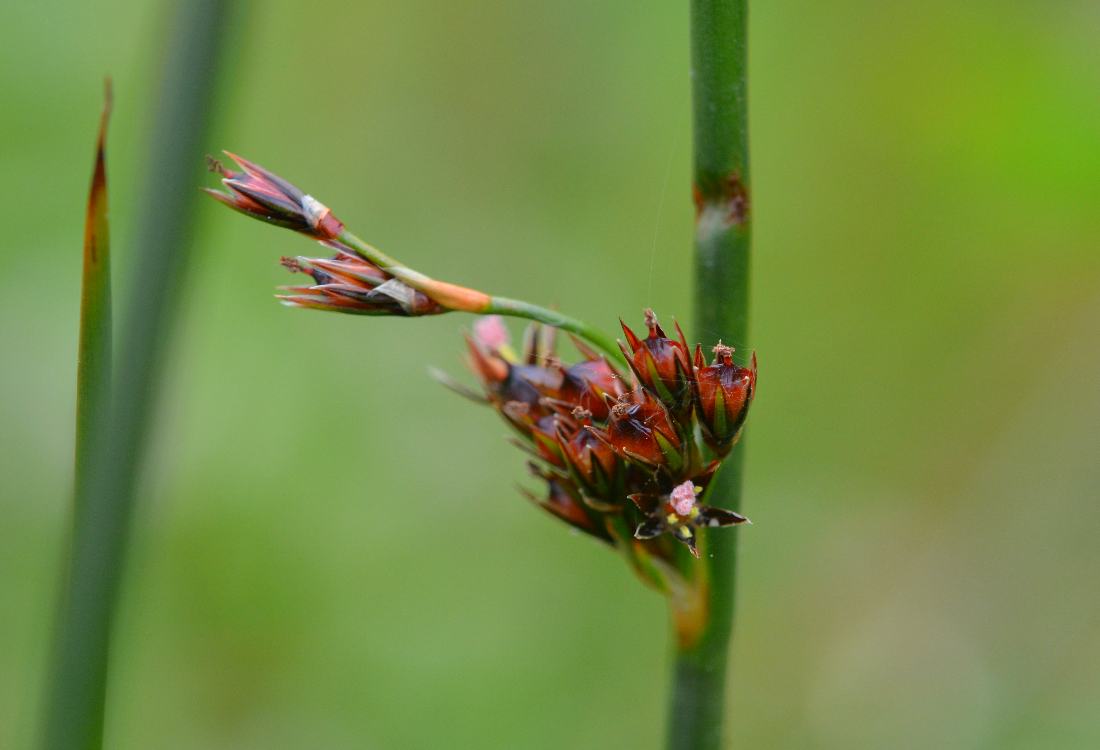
491,333
682,498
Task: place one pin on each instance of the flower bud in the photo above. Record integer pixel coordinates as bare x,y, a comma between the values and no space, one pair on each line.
639,429
590,385
347,283
265,196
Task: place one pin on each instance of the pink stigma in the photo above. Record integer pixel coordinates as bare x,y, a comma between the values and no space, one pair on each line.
682,498
491,333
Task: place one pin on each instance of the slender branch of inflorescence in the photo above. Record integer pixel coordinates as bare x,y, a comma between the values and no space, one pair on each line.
362,279
473,301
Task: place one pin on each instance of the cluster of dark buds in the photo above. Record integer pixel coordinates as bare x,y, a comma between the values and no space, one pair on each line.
626,457
627,453
347,283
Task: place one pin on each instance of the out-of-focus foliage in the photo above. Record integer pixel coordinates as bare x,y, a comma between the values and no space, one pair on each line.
331,552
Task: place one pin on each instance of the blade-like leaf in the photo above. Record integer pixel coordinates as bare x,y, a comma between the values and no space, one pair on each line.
93,369
75,704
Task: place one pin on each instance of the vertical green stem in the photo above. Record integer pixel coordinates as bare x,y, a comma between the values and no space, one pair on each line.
76,694
722,238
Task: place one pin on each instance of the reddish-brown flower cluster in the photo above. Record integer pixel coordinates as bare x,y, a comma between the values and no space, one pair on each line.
626,457
627,461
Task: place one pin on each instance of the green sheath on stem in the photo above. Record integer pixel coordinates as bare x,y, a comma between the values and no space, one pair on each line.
722,237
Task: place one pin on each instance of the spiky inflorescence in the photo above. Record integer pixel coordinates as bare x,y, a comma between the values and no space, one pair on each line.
626,460
626,457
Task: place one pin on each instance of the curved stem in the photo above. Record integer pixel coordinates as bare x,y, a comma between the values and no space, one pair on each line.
520,309
722,238
472,301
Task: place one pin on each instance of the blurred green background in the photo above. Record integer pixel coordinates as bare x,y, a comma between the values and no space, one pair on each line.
331,551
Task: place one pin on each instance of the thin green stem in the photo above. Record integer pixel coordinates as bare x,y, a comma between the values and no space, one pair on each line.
484,304
722,240
374,255
520,309
76,696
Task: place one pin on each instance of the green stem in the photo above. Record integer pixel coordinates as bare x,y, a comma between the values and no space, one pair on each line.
485,304
722,239
76,694
519,309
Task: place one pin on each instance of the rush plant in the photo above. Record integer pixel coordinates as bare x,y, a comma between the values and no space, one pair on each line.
635,444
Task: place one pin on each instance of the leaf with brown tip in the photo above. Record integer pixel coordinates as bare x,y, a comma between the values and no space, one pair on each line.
93,371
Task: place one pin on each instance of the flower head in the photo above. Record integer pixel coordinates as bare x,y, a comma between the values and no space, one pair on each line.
599,441
265,196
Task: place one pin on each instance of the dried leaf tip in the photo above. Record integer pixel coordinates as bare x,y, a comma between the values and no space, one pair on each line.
95,224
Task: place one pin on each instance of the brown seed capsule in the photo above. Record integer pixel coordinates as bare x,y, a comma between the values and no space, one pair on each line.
662,365
724,392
